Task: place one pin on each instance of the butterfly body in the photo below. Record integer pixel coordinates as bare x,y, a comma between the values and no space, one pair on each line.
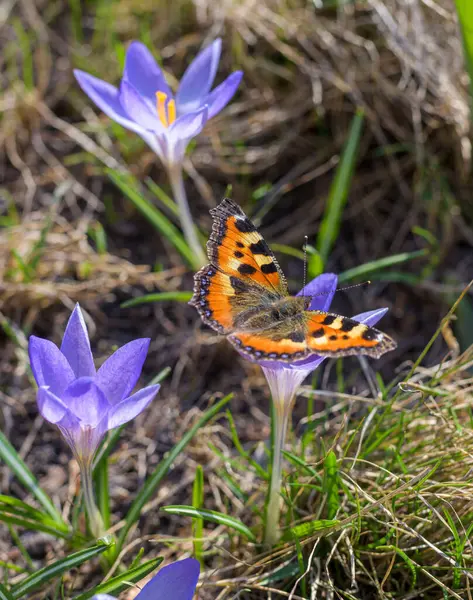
243,294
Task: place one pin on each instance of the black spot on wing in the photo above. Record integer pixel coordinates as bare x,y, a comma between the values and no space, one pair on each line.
329,319
244,225
348,325
245,269
333,337
260,247
296,336
238,285
240,245
370,335
269,268
238,254
318,333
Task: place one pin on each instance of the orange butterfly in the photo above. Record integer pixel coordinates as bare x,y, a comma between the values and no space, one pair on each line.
243,294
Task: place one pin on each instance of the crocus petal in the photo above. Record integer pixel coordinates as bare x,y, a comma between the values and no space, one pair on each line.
128,409
175,581
198,78
322,288
182,131
144,74
223,93
107,98
103,597
86,401
49,365
50,406
284,384
76,345
138,108
371,317
119,373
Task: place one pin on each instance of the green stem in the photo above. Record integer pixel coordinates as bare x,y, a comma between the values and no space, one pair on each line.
273,508
95,518
190,233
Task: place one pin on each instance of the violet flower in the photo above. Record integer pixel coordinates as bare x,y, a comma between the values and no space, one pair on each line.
85,403
145,104
176,581
284,379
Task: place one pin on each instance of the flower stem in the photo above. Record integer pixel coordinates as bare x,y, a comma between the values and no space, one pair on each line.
179,192
95,518
273,506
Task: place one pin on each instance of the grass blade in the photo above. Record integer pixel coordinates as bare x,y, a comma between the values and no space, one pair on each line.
338,195
18,467
377,265
465,18
122,582
158,297
330,484
152,483
154,216
213,516
56,569
4,593
197,503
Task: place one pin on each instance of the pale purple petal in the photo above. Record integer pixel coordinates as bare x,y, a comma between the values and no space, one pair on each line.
371,317
76,346
50,406
86,401
128,409
176,581
144,74
119,373
223,93
182,131
322,290
50,367
107,98
139,108
308,364
103,597
198,78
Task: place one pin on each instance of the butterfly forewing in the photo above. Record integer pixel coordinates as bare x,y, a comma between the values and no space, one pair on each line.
333,335
237,248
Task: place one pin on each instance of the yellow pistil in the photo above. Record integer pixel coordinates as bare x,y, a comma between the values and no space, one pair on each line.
166,109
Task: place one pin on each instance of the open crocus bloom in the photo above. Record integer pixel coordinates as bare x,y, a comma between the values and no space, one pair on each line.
177,581
285,378
82,402
145,104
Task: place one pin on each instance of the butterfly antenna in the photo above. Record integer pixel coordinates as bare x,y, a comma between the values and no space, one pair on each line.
306,240
342,289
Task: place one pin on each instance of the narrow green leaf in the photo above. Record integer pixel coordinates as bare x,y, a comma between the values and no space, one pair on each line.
197,503
320,526
410,564
154,216
18,467
5,593
377,265
158,297
122,582
152,482
330,484
56,569
338,195
213,516
465,18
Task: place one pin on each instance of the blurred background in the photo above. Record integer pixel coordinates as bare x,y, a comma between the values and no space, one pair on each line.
384,81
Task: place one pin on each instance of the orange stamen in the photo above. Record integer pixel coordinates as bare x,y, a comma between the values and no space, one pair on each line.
161,98
166,109
171,112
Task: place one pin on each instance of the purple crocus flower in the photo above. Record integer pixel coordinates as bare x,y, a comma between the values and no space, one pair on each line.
284,379
144,102
82,402
176,581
